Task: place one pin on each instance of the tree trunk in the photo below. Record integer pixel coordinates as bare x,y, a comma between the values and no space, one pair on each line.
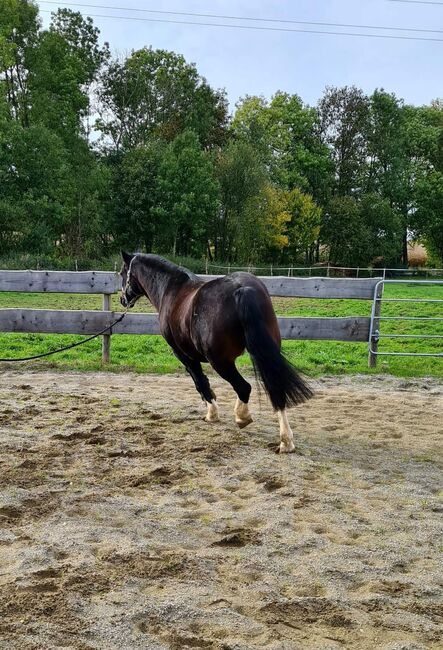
405,248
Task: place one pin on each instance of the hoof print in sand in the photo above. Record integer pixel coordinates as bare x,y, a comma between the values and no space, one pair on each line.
238,537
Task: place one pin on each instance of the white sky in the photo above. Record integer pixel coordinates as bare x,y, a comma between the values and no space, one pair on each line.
260,62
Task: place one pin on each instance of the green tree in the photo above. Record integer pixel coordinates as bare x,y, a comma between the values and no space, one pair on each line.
285,134
135,196
63,65
344,114
34,175
188,196
383,226
304,226
155,93
262,228
250,124
361,232
19,27
86,224
344,232
388,168
242,177
428,218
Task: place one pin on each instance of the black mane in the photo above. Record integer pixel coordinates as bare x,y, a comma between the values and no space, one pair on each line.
159,263
156,275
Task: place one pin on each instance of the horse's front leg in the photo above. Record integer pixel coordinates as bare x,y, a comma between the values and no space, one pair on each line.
204,388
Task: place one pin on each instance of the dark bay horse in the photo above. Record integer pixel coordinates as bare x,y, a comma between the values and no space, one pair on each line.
214,322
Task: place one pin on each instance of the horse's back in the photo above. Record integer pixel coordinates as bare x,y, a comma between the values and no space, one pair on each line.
216,321
228,284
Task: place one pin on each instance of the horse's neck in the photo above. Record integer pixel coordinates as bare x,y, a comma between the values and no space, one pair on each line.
157,282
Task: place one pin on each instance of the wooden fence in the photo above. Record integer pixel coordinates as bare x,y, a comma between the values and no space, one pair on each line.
351,328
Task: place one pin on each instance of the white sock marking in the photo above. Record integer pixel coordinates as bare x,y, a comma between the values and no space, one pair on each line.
212,414
286,435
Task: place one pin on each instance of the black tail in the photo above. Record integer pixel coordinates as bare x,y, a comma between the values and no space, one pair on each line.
282,383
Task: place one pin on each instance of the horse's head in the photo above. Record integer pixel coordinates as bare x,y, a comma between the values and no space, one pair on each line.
131,289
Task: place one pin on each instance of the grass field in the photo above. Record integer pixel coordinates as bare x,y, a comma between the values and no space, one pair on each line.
151,353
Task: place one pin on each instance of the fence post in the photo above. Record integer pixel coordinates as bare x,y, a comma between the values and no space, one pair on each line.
373,344
106,344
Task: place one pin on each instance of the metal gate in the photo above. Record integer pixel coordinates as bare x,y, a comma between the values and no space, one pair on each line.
375,334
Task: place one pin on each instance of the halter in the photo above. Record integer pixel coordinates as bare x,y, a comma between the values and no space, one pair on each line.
127,285
129,272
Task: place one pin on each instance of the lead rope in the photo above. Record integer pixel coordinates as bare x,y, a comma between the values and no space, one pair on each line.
73,345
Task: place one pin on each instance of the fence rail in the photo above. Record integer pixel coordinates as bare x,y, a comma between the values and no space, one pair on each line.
107,282
50,321
45,321
328,270
60,281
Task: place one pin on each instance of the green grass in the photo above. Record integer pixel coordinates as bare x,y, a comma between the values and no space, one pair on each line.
152,354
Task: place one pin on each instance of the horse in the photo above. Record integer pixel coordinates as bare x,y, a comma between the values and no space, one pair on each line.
215,322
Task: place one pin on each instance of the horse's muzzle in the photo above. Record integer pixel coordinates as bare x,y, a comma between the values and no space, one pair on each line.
128,303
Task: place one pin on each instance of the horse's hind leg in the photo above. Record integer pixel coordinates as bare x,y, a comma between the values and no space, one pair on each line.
286,435
229,372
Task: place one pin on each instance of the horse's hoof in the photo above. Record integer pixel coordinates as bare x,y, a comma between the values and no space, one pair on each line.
243,423
286,449
212,420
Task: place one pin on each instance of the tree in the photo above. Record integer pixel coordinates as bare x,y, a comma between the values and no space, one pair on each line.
242,177
386,147
262,229
188,196
344,114
155,93
250,124
285,134
360,233
344,232
303,160
383,226
63,64
135,222
19,27
34,183
87,223
388,170
428,218
304,226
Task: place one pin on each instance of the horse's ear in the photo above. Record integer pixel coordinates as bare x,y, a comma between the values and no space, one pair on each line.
127,257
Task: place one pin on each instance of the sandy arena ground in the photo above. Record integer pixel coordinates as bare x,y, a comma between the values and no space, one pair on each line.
126,522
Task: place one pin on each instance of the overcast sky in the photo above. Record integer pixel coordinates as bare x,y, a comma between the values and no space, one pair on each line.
262,62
